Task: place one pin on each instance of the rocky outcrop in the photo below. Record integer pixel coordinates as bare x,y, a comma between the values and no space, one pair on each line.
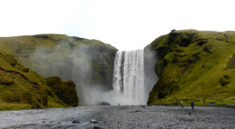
66,91
194,65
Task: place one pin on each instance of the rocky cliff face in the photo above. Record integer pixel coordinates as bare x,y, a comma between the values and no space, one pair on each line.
89,63
194,65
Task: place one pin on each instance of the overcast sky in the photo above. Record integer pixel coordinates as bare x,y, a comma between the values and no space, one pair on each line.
126,24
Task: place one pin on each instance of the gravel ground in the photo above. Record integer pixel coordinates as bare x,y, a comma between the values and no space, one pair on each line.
121,117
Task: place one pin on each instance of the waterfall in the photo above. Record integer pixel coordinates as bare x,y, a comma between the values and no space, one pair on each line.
128,77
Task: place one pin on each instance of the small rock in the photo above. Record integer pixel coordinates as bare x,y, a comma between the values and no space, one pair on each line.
96,127
137,111
51,121
76,122
104,103
189,113
93,121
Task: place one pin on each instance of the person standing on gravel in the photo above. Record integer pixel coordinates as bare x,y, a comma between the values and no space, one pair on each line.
192,105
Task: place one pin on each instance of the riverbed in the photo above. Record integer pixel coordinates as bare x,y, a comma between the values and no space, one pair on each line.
121,117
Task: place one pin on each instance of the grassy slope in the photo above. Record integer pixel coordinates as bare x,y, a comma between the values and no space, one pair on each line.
195,65
22,88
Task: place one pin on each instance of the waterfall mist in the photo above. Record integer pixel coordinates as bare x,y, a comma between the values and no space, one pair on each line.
150,59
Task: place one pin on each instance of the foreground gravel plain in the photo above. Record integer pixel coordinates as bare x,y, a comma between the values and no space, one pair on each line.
121,117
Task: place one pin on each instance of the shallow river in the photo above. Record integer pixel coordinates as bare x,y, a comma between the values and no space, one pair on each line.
121,117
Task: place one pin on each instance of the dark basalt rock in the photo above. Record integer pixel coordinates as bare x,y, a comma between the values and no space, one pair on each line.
76,122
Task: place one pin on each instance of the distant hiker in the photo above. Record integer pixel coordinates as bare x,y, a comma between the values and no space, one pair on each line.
181,104
192,105
118,104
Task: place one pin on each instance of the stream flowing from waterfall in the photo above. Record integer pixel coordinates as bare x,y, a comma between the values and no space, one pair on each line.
128,77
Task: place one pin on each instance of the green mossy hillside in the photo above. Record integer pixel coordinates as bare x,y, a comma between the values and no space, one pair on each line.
21,88
194,65
61,55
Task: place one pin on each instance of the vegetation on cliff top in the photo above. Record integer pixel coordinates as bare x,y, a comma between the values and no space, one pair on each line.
194,65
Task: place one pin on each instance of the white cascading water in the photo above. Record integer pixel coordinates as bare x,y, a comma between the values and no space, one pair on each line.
128,77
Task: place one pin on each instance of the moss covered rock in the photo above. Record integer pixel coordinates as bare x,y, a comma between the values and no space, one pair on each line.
194,65
66,91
